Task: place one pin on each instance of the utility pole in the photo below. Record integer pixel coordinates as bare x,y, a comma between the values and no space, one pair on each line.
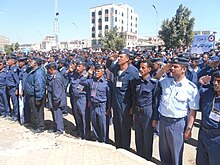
56,25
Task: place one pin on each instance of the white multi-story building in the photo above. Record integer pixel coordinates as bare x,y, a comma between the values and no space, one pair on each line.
108,16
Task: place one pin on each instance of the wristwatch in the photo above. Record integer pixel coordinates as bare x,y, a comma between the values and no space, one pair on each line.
189,128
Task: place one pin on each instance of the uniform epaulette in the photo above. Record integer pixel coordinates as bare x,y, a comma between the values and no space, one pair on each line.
153,80
192,84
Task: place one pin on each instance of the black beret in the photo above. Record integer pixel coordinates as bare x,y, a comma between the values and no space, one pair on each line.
180,60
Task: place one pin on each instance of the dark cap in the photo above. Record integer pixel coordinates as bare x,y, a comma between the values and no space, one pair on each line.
99,57
51,65
195,56
21,59
38,60
12,56
180,60
156,60
62,61
124,51
80,62
99,66
72,54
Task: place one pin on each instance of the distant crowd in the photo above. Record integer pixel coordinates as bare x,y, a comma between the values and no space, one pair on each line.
152,91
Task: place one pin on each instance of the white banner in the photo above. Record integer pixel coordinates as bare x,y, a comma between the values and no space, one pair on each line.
203,43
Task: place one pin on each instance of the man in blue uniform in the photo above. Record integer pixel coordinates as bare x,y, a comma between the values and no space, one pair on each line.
145,103
22,74
4,107
79,97
12,81
121,99
178,104
56,97
62,69
208,148
34,87
99,101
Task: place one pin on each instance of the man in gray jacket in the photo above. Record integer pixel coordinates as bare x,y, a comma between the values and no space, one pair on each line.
56,97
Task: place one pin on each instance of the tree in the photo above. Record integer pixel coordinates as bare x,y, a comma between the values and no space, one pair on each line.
113,39
179,31
11,48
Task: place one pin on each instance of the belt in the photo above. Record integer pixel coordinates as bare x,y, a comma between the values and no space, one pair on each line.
138,109
98,104
79,97
171,119
209,130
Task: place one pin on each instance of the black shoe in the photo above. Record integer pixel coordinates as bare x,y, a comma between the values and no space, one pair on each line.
37,130
58,132
51,131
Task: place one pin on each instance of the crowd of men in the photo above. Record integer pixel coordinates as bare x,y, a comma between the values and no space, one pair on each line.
156,91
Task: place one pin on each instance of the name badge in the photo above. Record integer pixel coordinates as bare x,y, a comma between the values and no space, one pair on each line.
80,87
119,84
93,93
214,116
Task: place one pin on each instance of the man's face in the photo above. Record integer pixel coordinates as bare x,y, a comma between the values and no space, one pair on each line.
99,73
155,66
216,83
205,58
2,65
122,59
21,64
80,68
177,70
11,62
144,69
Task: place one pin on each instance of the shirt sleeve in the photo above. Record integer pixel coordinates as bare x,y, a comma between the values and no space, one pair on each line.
194,101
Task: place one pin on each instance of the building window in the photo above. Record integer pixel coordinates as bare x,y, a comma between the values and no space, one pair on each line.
100,13
93,29
122,28
122,21
131,24
100,20
136,19
131,30
93,20
106,19
106,11
116,19
131,11
122,14
136,25
115,11
106,27
93,35
131,17
100,27
93,14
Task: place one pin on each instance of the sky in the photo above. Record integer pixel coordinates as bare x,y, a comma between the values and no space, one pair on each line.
29,21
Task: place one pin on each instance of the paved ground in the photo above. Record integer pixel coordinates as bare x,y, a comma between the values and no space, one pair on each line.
18,145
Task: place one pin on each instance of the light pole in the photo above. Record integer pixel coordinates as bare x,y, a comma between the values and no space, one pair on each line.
56,28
